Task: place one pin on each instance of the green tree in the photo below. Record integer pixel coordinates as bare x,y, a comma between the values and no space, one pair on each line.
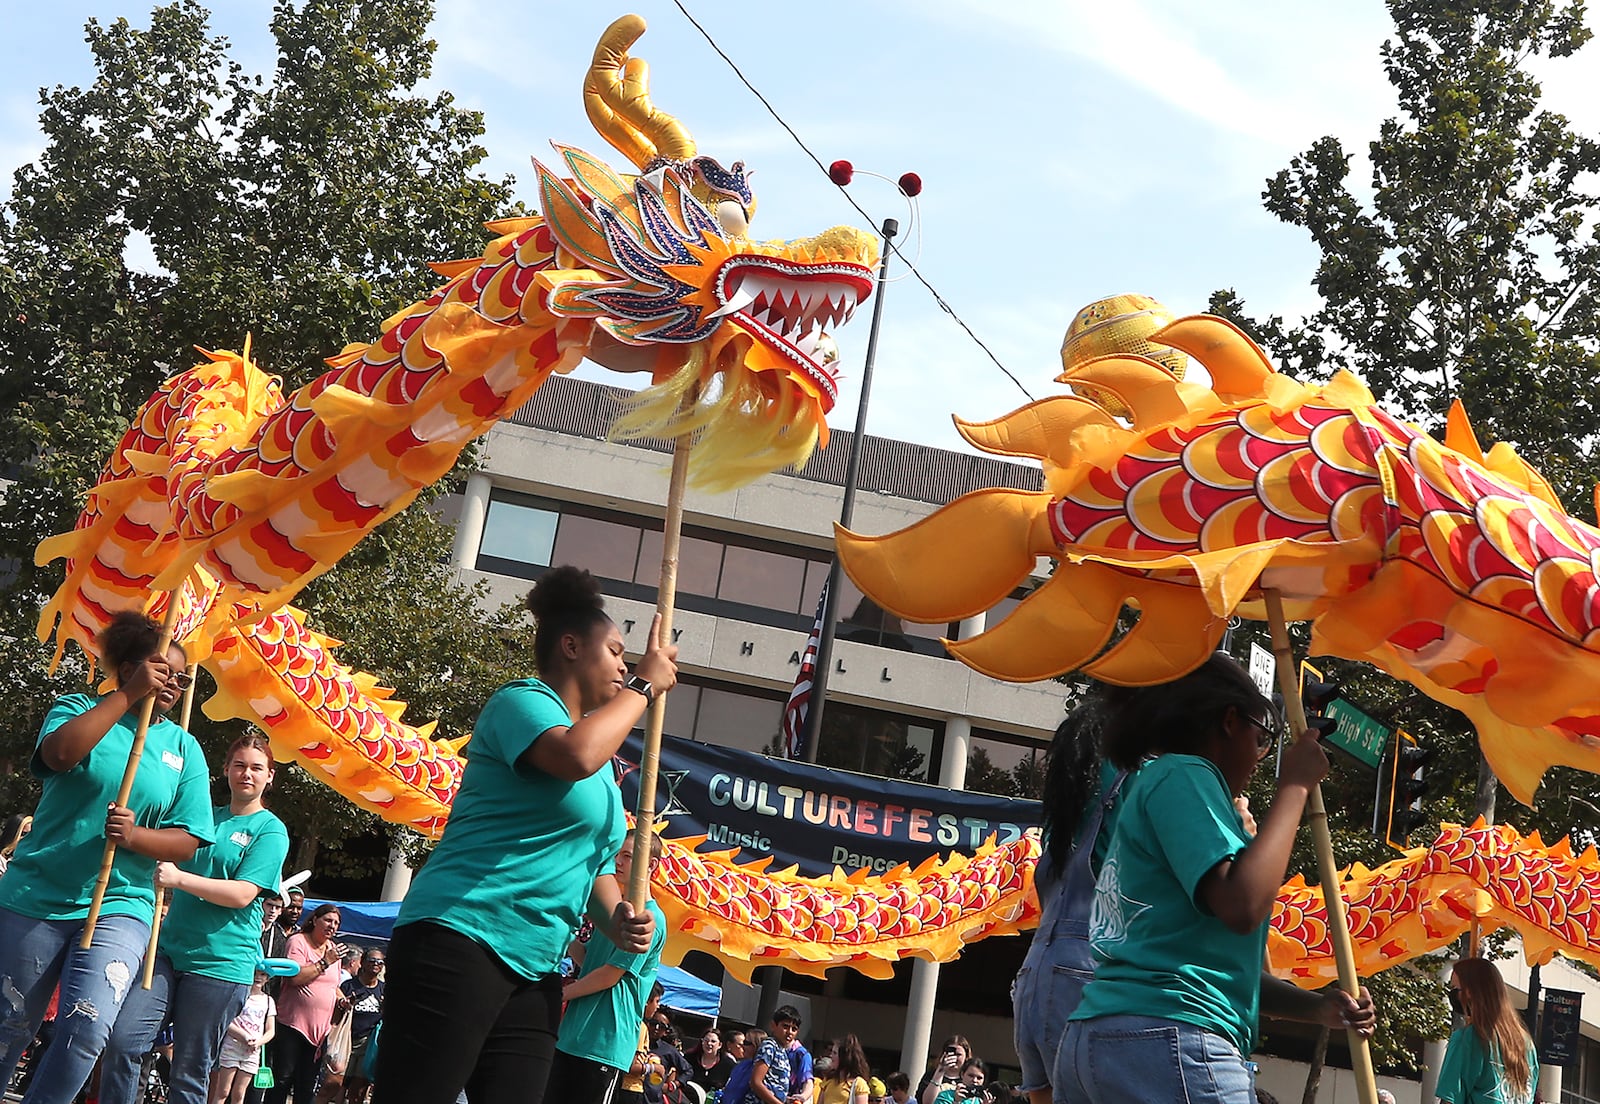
1470,272
301,206
1465,271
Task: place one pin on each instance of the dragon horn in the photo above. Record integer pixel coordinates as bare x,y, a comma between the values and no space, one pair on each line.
616,94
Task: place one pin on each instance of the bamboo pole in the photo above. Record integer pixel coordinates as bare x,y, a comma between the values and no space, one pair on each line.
1327,871
146,711
155,921
666,601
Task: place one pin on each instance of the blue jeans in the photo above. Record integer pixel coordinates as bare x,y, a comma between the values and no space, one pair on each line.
34,955
1044,995
201,1009
1141,1059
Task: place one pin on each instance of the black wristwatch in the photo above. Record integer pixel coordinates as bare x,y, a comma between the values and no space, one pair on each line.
641,686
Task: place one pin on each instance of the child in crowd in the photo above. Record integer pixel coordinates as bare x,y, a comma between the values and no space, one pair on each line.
240,1056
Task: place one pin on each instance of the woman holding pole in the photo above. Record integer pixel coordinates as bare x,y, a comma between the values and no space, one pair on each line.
474,997
1179,922
80,758
210,941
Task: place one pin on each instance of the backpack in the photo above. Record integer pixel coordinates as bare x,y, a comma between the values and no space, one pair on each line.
738,1086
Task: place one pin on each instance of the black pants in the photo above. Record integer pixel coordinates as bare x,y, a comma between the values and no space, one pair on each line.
580,1081
294,1067
455,1016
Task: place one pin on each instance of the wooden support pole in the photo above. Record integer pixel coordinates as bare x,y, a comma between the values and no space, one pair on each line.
1316,818
146,711
155,921
666,601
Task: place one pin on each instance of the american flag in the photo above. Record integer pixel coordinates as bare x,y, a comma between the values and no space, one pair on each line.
795,709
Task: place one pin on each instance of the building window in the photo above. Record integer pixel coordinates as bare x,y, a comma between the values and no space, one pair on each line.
609,549
724,575
871,741
517,533
1010,766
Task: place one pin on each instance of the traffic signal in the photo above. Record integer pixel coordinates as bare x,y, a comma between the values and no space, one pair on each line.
1404,776
1316,693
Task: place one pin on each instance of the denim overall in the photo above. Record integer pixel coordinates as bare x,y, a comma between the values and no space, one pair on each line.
1059,964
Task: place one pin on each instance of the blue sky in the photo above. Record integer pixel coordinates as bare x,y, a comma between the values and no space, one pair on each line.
1068,149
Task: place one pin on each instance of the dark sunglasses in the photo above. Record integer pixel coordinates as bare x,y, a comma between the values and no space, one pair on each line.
183,679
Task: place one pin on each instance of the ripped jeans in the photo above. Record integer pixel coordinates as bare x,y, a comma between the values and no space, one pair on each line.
34,955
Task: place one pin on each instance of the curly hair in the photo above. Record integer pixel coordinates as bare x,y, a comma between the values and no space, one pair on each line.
566,599
131,637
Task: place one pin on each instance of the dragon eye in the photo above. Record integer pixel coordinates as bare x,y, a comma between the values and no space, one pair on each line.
731,214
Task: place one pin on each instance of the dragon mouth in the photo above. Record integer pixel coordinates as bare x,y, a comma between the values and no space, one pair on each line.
789,307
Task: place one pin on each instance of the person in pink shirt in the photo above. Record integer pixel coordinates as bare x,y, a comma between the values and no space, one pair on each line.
305,1007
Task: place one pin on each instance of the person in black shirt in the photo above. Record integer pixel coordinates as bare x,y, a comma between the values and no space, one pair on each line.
364,995
709,1064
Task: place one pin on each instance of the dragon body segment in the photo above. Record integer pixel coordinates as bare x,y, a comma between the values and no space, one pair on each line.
1452,568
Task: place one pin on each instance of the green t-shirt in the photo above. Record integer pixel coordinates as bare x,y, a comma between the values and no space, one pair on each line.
522,848
212,940
1471,1075
53,874
603,1027
1157,951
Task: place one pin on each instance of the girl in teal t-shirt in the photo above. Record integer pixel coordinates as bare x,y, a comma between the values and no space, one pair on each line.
474,962
1492,1059
210,940
1179,920
79,760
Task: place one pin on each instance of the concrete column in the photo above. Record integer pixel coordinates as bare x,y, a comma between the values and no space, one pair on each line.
919,1018
925,975
1550,1084
1432,1058
397,878
469,527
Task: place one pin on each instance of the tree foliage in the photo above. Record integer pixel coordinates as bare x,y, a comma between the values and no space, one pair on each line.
1465,271
181,200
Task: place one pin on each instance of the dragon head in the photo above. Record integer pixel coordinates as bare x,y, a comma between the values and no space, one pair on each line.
660,263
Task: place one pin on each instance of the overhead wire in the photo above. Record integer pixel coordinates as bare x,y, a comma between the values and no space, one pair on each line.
910,265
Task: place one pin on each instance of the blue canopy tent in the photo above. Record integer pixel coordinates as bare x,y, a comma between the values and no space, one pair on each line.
366,921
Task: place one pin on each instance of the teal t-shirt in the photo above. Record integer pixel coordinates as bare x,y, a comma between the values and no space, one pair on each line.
212,940
604,1027
1471,1075
1157,951
522,848
53,873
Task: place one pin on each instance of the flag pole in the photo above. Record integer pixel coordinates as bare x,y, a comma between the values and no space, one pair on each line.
852,471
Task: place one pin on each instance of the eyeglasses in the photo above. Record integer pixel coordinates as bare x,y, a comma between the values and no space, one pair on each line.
1266,733
661,1025
182,679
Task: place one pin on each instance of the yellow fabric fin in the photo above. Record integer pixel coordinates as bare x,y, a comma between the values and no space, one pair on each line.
451,269
1041,430
956,562
250,490
1503,460
502,227
1056,629
1149,391
1175,634
346,412
1237,366
1458,433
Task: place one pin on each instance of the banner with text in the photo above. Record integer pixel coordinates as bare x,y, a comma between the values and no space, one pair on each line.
813,817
